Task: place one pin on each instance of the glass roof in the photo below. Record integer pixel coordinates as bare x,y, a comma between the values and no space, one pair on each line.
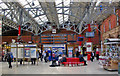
42,19
62,18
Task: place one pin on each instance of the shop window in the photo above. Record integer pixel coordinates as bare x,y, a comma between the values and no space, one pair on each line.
109,25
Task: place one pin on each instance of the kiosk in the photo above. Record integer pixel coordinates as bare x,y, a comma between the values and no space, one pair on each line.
112,54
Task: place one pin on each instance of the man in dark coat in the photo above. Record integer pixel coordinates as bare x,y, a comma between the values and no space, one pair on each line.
92,55
77,54
9,59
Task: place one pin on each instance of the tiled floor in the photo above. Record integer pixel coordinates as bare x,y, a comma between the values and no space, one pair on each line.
43,68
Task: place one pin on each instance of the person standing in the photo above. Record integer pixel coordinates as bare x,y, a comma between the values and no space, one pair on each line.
45,56
92,56
97,55
77,54
41,55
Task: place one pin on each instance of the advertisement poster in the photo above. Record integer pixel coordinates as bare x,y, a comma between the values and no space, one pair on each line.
70,51
89,46
20,52
27,52
13,50
33,52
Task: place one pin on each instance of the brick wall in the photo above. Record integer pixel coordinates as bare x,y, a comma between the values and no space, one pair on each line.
115,29
95,40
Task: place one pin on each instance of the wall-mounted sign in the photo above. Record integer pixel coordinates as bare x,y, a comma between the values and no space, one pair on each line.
89,46
80,38
53,30
54,45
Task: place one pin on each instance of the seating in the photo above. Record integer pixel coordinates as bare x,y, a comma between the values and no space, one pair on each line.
72,61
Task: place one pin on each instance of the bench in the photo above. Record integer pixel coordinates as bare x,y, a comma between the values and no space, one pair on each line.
72,61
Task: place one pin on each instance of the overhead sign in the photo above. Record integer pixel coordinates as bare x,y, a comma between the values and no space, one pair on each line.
80,38
89,34
54,45
31,45
53,30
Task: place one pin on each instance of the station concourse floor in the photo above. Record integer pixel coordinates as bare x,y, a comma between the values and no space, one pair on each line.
43,68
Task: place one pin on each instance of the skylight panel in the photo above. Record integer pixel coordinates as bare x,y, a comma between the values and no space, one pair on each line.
2,5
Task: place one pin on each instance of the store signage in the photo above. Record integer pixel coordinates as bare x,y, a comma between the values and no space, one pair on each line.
54,45
34,45
13,46
20,45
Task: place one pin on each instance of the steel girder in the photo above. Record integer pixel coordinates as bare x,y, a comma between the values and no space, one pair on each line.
97,15
8,25
78,14
22,16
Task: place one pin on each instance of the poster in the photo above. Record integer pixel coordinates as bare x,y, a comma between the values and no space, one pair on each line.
20,52
89,46
27,52
33,52
13,50
70,51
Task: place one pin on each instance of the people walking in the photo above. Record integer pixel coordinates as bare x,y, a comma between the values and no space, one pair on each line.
41,55
9,59
45,58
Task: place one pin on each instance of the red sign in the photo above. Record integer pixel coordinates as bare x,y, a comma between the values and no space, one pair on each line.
88,45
